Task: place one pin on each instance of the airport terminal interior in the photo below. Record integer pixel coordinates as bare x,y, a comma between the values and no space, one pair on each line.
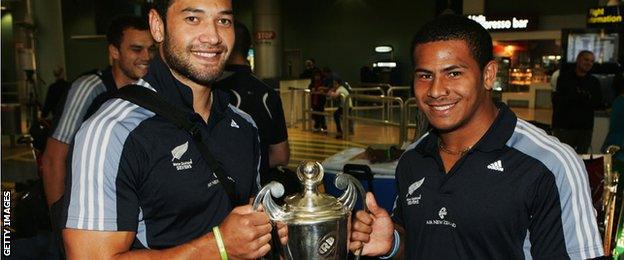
366,44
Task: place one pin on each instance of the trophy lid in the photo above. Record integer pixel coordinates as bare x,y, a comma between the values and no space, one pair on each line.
312,206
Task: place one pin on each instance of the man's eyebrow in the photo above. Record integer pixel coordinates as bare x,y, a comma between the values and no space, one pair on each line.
228,12
416,70
454,67
193,10
199,10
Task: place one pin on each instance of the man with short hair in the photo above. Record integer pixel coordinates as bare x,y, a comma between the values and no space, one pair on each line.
260,101
309,68
482,184
129,44
143,188
575,99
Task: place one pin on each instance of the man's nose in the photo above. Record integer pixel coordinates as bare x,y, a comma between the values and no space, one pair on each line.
437,88
210,35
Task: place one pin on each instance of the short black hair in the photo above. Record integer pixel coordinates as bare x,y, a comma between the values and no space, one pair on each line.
161,7
242,41
454,27
114,34
583,52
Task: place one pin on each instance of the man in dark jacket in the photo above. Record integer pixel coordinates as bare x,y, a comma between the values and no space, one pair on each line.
576,97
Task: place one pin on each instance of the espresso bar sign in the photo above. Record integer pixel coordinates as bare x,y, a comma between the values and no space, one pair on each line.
604,17
513,23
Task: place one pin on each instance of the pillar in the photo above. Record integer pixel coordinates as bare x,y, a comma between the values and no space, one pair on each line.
267,38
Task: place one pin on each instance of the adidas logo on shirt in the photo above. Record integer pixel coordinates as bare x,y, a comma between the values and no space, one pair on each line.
234,124
497,166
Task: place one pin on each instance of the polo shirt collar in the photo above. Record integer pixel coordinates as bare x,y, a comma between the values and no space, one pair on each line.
500,131
108,79
495,137
178,94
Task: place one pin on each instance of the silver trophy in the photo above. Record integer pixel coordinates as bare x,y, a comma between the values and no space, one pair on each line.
318,224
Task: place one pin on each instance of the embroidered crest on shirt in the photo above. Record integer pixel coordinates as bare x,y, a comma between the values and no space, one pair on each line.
177,154
179,151
412,200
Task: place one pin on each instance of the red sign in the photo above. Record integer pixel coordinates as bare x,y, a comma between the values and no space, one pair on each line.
265,35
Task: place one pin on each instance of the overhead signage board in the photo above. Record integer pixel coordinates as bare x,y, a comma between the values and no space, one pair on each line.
605,17
505,23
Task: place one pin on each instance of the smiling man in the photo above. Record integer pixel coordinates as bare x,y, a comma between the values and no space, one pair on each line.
140,187
129,43
482,184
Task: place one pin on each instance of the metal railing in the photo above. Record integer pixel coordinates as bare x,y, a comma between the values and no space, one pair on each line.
347,114
293,111
407,111
420,124
391,91
389,109
383,86
307,107
359,106
372,90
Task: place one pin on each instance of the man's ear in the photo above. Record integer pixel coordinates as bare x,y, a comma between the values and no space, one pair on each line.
489,74
157,26
113,52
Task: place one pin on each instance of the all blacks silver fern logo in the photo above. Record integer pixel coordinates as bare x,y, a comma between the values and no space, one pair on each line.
327,244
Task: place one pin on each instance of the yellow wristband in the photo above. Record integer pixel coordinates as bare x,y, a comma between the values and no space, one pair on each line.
217,235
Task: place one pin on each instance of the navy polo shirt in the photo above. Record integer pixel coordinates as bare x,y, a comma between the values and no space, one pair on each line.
517,194
262,103
132,170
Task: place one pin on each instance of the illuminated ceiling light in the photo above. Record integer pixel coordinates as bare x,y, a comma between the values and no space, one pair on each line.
3,8
385,64
383,49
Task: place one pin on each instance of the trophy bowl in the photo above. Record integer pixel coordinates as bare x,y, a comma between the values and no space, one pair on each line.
318,223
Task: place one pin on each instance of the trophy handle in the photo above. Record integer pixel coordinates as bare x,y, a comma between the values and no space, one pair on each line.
353,187
264,197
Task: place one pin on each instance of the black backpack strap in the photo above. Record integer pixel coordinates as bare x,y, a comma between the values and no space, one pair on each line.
149,100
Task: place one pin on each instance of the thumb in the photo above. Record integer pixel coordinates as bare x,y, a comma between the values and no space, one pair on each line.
371,203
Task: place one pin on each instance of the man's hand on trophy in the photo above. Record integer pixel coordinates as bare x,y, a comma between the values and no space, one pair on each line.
374,231
246,234
282,231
